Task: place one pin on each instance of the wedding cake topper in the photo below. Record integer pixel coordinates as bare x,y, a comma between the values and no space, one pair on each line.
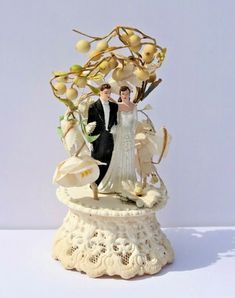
129,66
113,146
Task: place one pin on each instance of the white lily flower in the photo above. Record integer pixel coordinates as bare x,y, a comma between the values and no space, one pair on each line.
90,127
77,171
148,144
116,85
160,141
128,79
151,67
83,105
134,81
72,137
153,141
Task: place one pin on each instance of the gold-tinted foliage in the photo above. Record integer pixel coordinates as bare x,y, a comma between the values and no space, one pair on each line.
124,56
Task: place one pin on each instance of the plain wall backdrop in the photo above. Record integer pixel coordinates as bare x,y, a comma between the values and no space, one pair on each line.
195,102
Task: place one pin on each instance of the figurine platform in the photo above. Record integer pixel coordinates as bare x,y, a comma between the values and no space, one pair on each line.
109,236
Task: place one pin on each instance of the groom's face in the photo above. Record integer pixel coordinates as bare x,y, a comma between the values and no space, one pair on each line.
105,94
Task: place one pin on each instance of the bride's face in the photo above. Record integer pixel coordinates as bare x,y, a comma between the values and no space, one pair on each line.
125,95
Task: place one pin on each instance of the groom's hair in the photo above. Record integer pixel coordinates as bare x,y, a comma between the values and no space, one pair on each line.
105,86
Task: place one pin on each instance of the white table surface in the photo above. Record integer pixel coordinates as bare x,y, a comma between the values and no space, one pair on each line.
204,267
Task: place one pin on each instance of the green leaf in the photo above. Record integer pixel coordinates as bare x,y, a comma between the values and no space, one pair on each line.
95,77
59,132
83,124
61,117
91,139
59,73
94,89
68,103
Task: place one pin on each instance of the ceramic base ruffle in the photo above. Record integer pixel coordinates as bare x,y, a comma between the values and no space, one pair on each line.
118,239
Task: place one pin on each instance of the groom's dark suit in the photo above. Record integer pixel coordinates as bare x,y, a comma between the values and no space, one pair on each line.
103,146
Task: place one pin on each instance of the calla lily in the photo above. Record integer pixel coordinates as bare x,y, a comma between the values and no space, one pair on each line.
160,135
77,171
72,137
149,142
154,141
144,126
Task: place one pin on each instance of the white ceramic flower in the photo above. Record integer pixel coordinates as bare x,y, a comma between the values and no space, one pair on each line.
128,191
90,127
150,194
128,79
161,135
144,126
151,67
155,142
72,137
149,142
83,104
77,171
115,85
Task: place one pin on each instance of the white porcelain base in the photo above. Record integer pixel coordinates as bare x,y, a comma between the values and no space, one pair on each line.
122,240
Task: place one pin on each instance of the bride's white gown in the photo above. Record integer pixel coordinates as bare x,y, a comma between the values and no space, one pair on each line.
122,165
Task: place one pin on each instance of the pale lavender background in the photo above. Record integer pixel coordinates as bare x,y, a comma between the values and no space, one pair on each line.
195,102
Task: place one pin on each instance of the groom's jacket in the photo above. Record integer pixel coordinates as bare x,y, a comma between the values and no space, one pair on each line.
96,113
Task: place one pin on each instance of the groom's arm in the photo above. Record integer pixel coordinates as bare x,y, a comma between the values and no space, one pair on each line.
115,121
91,114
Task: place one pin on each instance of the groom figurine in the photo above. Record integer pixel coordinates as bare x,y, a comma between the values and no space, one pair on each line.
104,113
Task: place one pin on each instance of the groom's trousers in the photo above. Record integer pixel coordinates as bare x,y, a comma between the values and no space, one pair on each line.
102,151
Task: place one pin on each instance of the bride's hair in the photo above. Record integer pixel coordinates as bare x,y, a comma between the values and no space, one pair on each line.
123,88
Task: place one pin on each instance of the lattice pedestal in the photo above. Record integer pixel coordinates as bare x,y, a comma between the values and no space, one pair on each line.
109,237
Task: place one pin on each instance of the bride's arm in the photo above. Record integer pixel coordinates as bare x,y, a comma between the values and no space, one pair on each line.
136,112
119,106
135,117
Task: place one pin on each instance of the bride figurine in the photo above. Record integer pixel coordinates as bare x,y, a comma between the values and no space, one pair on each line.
122,165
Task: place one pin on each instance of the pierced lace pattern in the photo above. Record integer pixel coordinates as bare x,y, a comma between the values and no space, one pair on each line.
99,245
